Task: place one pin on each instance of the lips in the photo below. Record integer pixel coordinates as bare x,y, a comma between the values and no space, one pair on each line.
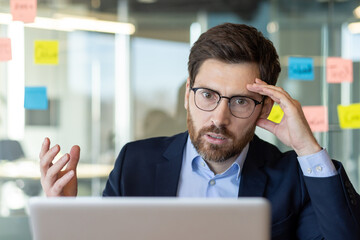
214,138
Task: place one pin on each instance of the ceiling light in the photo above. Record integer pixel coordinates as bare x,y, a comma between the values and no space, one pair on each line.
73,23
147,1
272,27
357,12
354,27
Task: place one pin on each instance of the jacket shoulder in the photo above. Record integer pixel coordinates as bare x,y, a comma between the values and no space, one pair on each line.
158,144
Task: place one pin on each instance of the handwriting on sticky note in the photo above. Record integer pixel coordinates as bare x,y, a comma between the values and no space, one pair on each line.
349,116
46,52
339,70
276,114
301,68
23,10
36,98
5,49
317,117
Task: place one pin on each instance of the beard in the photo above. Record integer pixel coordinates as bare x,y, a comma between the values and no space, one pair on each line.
213,152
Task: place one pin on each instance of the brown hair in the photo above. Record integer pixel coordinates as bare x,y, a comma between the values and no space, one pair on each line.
235,43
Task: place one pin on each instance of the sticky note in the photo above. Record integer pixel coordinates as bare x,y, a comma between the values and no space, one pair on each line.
349,116
46,52
36,98
301,68
276,114
5,49
317,117
339,70
23,10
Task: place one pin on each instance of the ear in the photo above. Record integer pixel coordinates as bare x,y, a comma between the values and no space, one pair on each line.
187,93
267,106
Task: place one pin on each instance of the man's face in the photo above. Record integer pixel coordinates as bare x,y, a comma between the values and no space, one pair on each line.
218,136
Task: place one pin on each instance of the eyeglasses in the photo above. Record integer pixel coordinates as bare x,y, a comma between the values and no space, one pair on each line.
239,106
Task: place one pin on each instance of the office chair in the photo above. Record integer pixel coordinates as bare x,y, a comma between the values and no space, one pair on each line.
10,150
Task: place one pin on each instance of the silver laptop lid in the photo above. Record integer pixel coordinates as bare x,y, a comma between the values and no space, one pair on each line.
93,218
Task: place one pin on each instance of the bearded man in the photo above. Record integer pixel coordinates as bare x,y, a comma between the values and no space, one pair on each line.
230,90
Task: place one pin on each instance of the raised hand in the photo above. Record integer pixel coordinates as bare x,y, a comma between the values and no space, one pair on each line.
293,130
54,180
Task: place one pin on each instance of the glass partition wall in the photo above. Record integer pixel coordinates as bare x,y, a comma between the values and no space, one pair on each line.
109,87
320,29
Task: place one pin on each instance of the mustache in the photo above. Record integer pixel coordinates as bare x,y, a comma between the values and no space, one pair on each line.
218,130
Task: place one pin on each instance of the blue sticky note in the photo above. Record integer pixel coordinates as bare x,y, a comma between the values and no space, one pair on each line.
36,98
301,68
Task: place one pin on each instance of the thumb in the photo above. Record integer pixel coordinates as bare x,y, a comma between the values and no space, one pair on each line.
266,124
74,157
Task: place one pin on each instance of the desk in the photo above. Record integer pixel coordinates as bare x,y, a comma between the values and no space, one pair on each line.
25,173
30,170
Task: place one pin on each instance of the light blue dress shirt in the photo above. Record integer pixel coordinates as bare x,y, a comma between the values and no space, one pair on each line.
197,180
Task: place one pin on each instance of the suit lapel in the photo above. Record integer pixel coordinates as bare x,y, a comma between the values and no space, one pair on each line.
168,171
253,178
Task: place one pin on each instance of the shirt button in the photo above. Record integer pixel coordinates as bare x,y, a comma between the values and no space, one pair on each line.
203,164
309,170
212,182
319,168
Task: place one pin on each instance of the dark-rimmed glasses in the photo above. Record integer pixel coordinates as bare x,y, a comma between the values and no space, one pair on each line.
239,106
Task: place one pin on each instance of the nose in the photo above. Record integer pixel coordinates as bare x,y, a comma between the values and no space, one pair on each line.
221,115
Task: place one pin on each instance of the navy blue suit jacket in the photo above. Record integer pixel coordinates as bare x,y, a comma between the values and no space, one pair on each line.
302,207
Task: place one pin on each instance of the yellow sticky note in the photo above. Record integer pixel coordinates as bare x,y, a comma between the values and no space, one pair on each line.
276,114
46,52
349,116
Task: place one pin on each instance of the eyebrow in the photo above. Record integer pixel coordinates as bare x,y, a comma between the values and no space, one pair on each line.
234,95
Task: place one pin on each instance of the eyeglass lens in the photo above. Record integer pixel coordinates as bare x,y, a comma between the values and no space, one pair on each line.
208,100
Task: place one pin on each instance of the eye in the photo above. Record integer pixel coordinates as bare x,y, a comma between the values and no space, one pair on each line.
240,101
207,94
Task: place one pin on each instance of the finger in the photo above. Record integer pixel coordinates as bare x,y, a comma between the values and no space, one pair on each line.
44,147
256,88
48,157
266,124
275,88
52,173
259,81
74,158
263,88
61,183
279,96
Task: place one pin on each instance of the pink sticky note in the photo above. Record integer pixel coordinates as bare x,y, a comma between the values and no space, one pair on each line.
339,70
317,117
5,49
23,10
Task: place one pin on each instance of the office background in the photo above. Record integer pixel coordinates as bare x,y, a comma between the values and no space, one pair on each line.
114,86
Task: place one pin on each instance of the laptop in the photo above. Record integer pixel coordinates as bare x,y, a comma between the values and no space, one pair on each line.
96,218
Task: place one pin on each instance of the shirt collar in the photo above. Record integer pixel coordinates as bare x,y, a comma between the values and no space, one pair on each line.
192,154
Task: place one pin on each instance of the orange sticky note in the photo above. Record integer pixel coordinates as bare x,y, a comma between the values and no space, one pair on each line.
23,10
339,70
317,117
5,49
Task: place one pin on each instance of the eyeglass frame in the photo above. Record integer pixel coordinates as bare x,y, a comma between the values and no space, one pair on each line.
229,100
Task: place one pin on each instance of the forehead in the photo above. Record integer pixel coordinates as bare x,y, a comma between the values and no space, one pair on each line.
227,78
